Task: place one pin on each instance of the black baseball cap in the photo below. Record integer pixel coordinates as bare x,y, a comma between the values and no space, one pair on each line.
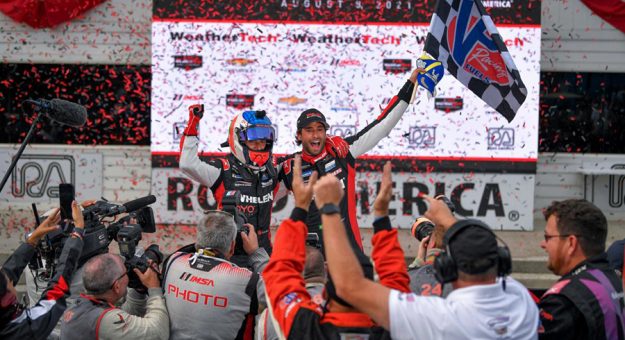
474,249
311,116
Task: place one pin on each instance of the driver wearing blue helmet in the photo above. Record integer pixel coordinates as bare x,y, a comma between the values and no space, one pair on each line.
249,167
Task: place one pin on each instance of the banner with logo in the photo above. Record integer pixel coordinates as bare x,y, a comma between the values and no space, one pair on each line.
38,173
345,58
499,199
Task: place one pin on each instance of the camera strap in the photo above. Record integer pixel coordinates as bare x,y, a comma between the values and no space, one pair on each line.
250,290
189,248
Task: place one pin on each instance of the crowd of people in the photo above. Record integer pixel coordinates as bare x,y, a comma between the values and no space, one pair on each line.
315,281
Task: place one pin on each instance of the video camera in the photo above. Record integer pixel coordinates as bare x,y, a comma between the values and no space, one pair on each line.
423,227
99,233
229,203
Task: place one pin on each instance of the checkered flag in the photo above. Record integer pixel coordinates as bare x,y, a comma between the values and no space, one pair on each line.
465,40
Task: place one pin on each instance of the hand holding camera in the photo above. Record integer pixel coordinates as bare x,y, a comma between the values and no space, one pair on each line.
50,224
423,226
150,277
440,211
423,248
249,239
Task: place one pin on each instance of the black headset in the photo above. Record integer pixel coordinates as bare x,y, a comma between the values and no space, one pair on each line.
445,268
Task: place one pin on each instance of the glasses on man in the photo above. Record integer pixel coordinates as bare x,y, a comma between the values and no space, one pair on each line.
119,278
548,237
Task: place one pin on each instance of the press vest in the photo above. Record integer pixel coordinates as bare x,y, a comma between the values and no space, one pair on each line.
209,294
82,321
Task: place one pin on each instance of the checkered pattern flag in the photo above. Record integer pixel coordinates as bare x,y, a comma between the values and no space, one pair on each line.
465,40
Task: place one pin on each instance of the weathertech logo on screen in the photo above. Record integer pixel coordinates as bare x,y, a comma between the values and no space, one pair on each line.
188,62
448,104
396,65
240,101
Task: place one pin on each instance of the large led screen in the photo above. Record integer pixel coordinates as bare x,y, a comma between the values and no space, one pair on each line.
345,58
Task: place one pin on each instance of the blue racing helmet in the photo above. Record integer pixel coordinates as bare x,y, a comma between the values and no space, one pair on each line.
251,126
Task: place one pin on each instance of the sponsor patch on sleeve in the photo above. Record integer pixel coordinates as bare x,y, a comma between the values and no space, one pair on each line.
288,302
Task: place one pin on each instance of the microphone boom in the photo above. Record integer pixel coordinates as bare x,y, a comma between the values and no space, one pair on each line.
62,111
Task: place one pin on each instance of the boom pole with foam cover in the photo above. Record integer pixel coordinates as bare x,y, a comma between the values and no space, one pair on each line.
59,110
62,111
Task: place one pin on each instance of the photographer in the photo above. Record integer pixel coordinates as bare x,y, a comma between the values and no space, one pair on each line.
99,231
37,322
95,316
205,292
421,271
42,268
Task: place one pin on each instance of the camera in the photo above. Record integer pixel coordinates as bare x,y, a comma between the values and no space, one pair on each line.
229,203
128,237
98,233
423,227
312,239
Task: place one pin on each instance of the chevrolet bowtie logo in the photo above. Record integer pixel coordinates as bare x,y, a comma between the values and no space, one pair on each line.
240,61
292,100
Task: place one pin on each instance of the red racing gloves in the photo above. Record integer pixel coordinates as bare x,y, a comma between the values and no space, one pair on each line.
337,146
196,111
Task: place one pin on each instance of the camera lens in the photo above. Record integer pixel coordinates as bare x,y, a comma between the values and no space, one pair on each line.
422,228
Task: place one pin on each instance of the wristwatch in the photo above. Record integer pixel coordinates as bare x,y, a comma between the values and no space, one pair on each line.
329,209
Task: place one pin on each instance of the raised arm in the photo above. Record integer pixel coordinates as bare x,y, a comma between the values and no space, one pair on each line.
15,264
369,297
190,162
284,284
371,135
39,321
388,257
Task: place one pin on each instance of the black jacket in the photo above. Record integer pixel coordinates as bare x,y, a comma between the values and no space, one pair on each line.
586,303
38,321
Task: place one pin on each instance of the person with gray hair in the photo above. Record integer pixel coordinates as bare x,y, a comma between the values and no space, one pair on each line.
95,316
205,291
315,276
216,231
